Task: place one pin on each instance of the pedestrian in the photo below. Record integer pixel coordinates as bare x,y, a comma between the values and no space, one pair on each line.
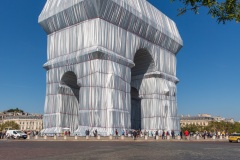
156,134
122,132
181,134
186,133
116,134
134,134
163,135
96,132
173,134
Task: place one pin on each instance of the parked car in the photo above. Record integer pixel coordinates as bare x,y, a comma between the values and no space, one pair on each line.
16,134
235,137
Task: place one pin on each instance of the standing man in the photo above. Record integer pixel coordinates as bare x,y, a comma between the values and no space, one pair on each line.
186,134
116,133
173,134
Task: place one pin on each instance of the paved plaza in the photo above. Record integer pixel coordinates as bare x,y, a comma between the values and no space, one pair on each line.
111,149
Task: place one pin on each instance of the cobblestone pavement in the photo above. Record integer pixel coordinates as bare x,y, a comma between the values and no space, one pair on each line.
111,149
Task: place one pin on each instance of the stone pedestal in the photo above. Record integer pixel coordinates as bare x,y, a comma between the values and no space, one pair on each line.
145,137
28,136
213,137
226,137
122,137
55,137
220,137
197,137
36,137
87,137
65,137
168,137
110,137
157,137
45,137
178,137
98,137
76,137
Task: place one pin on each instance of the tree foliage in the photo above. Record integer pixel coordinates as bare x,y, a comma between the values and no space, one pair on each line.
15,110
10,125
225,10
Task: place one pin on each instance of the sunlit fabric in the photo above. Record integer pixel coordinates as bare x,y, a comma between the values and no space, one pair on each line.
111,64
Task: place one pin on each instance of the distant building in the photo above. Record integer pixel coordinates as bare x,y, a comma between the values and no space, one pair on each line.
219,118
26,123
201,120
1,117
230,120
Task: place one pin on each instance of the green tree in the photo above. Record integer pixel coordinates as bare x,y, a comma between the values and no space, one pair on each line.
15,110
192,128
227,10
10,125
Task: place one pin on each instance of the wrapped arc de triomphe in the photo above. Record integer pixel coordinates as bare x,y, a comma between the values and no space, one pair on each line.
111,64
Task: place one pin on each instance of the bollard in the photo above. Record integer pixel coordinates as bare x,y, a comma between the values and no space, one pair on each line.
178,137
145,137
28,136
87,137
168,137
197,137
76,137
122,137
213,137
98,137
110,137
226,137
205,137
45,137
65,137
157,137
55,137
36,137
220,137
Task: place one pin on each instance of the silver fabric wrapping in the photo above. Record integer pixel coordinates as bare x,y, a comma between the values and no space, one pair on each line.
93,46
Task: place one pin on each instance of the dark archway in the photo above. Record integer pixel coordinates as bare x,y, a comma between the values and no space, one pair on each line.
70,79
135,109
144,63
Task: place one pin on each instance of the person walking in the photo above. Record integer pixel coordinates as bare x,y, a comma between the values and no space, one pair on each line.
156,134
163,135
116,134
173,134
186,133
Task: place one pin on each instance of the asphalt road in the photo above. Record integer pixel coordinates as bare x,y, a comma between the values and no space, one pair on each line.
164,150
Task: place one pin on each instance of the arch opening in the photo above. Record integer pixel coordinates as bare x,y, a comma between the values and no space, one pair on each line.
144,63
69,79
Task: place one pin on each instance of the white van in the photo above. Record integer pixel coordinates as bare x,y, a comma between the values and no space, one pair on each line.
16,134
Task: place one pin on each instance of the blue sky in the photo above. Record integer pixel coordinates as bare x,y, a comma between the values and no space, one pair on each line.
208,64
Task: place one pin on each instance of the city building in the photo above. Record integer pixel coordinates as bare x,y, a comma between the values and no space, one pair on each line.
26,123
1,117
219,118
201,119
111,64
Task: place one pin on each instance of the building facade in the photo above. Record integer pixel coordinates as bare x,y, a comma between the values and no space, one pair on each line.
201,120
26,123
111,64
